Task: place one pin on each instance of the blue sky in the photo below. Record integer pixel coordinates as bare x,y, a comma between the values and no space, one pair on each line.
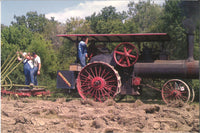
9,8
60,9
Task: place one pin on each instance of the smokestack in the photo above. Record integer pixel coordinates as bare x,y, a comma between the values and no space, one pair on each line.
190,27
191,9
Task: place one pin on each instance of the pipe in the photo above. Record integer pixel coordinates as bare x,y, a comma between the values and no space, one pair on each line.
168,69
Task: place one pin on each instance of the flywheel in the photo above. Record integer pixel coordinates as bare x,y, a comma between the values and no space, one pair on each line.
125,54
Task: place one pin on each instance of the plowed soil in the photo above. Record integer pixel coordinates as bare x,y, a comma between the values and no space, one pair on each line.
78,116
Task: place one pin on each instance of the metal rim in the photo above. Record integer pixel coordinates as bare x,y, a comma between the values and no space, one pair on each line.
98,81
192,95
125,54
175,89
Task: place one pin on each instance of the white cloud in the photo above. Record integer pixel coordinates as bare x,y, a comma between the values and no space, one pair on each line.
87,8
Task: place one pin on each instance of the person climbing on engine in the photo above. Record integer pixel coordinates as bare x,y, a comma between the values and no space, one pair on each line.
82,51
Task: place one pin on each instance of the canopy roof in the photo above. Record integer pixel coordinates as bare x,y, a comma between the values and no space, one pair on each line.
139,37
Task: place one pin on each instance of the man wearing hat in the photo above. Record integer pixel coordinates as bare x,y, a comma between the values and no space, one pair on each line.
28,65
36,69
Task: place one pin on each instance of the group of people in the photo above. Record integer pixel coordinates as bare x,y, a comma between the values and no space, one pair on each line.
32,67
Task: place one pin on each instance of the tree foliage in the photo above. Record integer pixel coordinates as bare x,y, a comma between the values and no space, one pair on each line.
32,21
107,21
145,15
172,24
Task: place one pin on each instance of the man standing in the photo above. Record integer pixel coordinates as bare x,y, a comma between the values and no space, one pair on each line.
28,65
82,51
36,69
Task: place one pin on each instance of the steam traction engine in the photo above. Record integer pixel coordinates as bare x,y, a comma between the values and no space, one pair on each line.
109,74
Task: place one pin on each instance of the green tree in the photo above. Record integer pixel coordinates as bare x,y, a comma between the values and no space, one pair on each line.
77,26
19,36
67,54
51,29
172,24
145,15
107,21
33,21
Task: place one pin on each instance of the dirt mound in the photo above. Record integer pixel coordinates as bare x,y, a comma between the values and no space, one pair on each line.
27,115
177,104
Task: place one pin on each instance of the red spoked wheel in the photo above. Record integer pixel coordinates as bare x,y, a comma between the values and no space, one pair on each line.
125,54
99,81
175,89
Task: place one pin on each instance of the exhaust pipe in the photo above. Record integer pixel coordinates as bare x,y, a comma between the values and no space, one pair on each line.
190,43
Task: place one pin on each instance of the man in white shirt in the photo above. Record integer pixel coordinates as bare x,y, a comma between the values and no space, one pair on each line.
36,69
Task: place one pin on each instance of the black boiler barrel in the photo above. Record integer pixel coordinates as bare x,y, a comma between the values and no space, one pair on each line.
168,69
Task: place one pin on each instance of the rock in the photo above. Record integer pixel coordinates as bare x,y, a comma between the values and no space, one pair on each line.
34,122
110,102
98,123
112,130
19,105
156,125
177,104
152,109
37,122
87,117
88,101
4,113
55,122
138,103
164,126
41,122
20,119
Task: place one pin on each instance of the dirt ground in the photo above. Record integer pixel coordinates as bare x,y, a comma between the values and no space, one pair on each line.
77,116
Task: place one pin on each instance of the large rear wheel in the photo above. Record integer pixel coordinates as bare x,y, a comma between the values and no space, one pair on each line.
98,81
